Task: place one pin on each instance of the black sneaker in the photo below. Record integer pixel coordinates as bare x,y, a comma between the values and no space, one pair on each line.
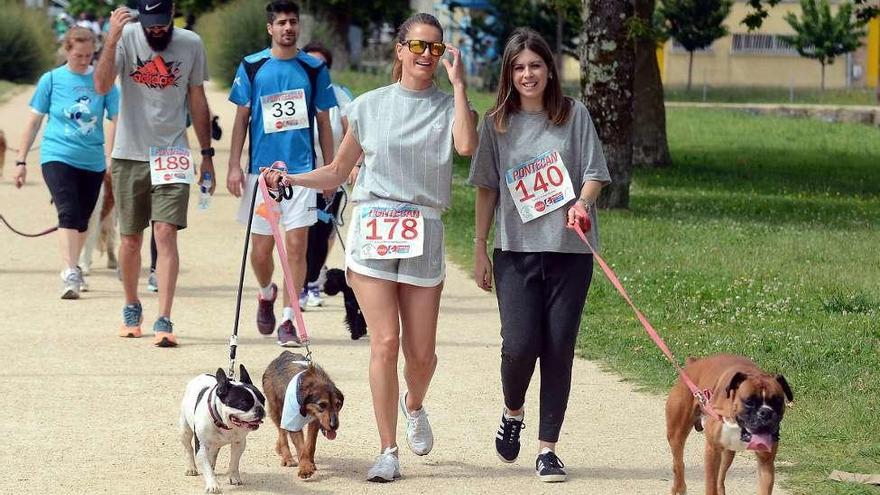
507,439
548,467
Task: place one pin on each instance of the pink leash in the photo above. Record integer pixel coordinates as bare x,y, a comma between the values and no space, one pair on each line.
701,396
269,211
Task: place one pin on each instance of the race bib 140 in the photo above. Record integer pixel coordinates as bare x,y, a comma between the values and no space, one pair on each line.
539,186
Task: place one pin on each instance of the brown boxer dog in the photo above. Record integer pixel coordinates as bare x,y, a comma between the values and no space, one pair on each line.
751,403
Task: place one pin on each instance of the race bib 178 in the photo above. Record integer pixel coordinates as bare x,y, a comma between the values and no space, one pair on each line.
539,186
387,232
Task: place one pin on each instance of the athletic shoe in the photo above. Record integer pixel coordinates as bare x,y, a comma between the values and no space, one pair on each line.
507,438
303,299
419,436
287,336
70,284
163,335
266,312
152,282
132,316
83,286
313,296
322,278
386,468
548,467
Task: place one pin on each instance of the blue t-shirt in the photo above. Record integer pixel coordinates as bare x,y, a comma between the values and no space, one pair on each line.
282,88
75,131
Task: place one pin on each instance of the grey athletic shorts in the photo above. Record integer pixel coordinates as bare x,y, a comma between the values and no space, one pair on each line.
427,270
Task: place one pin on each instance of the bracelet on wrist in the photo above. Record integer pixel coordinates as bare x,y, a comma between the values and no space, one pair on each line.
479,239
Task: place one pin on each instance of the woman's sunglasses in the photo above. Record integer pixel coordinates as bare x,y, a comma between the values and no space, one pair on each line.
418,47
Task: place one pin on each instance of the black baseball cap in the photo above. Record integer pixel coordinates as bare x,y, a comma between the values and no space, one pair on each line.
155,12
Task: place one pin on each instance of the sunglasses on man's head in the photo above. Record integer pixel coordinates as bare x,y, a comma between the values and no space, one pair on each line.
418,47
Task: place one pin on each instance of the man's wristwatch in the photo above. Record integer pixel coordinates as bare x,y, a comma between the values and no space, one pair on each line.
208,151
20,163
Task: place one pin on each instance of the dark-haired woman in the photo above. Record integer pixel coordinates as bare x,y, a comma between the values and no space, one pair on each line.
538,169
401,191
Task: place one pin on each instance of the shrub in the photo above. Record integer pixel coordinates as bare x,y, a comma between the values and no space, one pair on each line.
231,32
27,47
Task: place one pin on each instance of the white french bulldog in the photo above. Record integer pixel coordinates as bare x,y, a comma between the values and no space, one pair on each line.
215,412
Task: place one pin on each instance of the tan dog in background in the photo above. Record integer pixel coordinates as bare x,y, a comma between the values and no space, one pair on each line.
2,152
751,403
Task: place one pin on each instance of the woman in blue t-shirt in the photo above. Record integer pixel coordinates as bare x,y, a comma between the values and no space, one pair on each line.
72,148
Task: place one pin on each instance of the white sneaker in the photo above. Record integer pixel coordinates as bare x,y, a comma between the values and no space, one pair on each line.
152,282
313,299
387,467
83,285
70,281
419,436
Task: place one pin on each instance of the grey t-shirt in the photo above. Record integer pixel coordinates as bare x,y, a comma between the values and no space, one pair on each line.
406,136
153,90
529,135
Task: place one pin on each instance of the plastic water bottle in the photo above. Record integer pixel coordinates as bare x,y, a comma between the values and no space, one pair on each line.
205,192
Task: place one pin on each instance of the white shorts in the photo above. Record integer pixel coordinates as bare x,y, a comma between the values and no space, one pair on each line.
297,212
427,270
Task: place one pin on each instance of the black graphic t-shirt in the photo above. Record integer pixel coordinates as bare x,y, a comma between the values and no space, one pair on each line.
153,90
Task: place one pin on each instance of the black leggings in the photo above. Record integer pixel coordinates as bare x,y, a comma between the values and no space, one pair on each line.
319,239
74,192
540,298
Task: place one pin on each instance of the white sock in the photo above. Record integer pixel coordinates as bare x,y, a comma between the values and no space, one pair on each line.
266,292
545,450
287,314
518,418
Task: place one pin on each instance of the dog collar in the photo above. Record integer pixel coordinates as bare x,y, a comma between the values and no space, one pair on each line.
214,414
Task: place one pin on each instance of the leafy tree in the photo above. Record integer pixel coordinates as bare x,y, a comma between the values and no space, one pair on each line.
822,35
558,21
340,14
695,24
865,11
96,7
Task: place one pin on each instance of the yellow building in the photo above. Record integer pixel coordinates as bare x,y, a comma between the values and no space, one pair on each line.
761,58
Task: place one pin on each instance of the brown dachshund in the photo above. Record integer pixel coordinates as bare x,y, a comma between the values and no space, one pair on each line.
319,404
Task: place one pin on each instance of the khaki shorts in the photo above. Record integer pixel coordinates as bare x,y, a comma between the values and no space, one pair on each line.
140,202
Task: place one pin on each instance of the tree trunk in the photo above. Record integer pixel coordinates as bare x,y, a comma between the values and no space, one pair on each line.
650,147
823,76
690,69
607,66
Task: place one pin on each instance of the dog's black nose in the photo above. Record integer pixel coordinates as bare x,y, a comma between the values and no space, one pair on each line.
765,413
334,422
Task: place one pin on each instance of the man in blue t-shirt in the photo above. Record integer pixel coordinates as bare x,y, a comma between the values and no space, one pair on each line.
278,92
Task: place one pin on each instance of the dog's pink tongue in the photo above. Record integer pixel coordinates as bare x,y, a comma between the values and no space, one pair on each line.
331,435
761,443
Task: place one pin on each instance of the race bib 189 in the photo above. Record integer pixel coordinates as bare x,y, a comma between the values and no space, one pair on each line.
171,165
387,232
539,186
285,111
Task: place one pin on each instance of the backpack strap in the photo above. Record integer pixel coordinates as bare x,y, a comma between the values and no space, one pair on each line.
251,69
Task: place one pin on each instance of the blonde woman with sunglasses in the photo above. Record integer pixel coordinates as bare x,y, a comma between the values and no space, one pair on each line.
395,258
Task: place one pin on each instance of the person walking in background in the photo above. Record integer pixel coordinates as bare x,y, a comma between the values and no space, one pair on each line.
539,168
162,70
321,233
72,148
401,192
279,91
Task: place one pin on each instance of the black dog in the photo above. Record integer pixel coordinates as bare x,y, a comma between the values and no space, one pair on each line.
354,319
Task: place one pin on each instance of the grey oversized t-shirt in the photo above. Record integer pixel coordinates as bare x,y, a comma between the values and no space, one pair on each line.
406,136
528,136
153,90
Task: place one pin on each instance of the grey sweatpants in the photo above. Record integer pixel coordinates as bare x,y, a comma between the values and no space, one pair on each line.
540,297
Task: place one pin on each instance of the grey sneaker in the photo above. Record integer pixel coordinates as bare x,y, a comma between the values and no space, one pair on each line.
386,468
83,286
419,436
152,283
70,284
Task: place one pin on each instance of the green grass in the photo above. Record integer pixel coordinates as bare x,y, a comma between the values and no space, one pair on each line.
762,240
773,95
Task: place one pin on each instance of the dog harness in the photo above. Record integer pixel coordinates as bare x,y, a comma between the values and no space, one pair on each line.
291,414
